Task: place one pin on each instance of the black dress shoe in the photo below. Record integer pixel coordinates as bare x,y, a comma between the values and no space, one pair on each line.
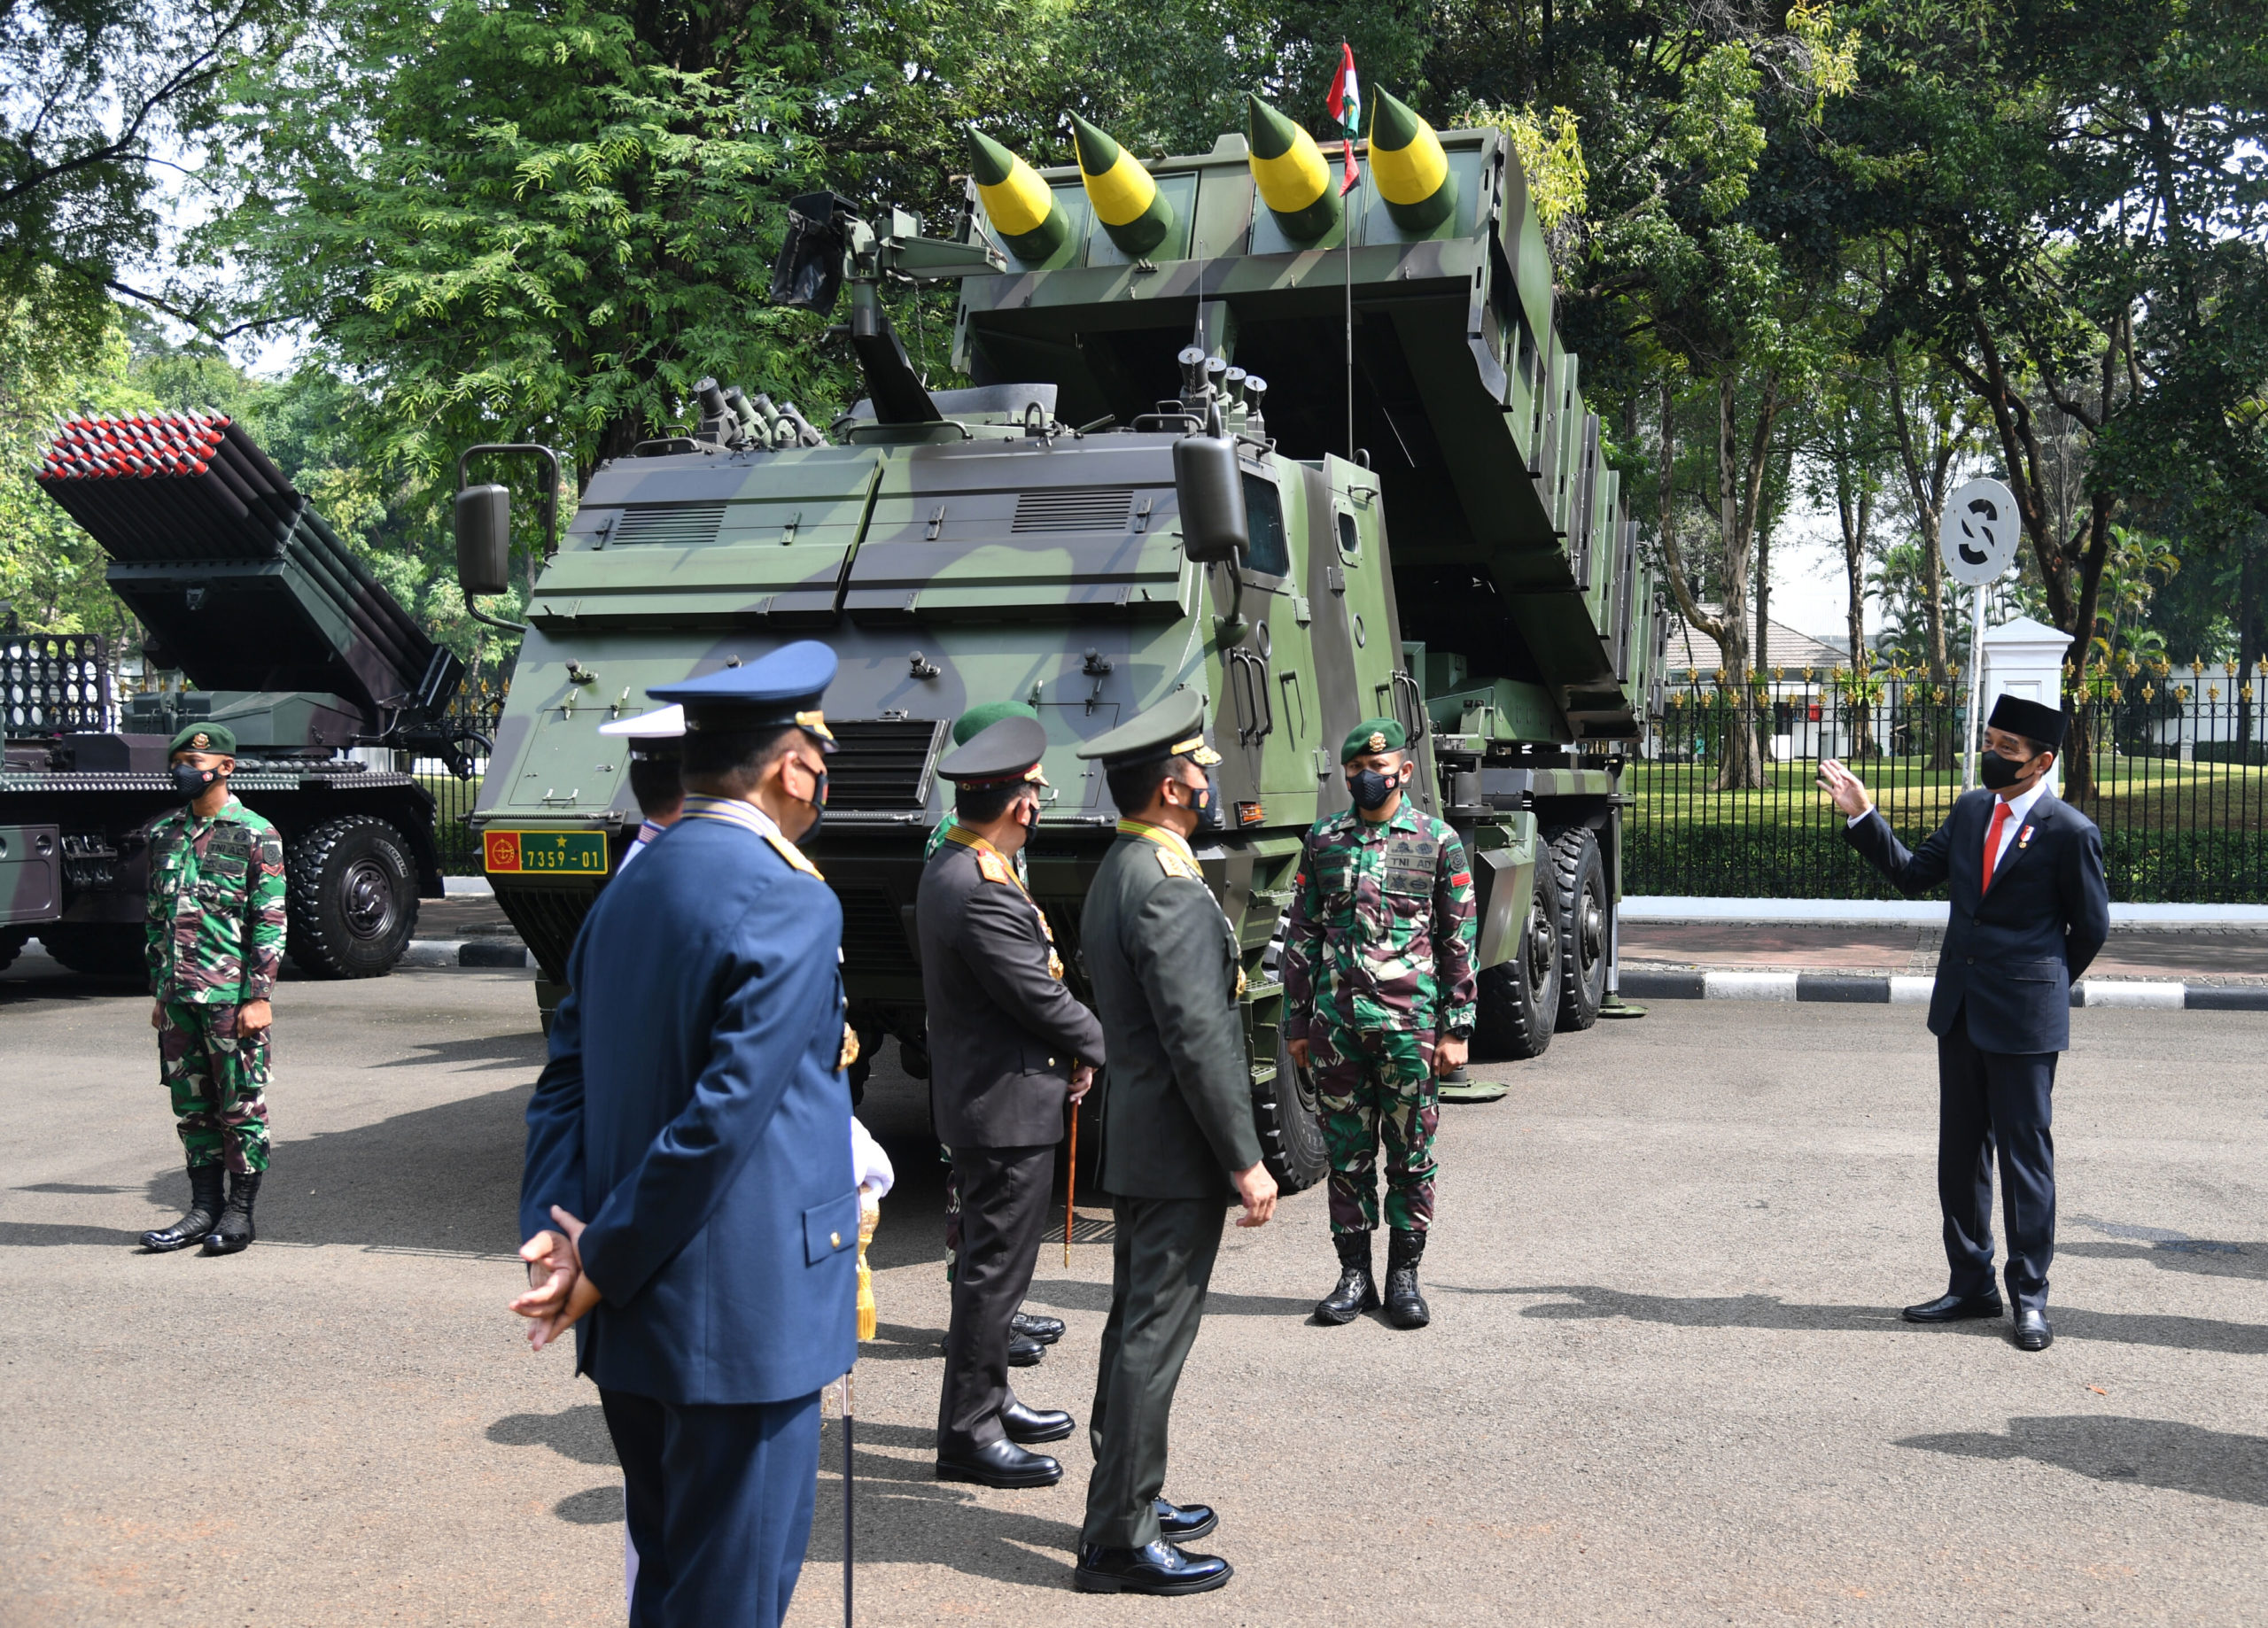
1024,1353
2032,1330
1154,1569
1028,1426
1184,1522
1955,1308
1046,1330
998,1463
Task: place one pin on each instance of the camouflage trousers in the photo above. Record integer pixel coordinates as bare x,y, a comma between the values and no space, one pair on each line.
217,1078
1376,1086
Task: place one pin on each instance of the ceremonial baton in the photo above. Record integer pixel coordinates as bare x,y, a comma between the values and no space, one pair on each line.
848,1529
1071,1182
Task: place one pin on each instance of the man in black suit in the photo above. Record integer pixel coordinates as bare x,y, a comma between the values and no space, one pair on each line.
2030,910
1008,1046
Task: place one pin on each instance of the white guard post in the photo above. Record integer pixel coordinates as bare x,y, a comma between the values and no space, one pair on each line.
2024,658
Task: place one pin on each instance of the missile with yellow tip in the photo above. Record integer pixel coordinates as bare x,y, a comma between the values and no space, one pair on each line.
1407,163
1020,206
1288,169
1126,199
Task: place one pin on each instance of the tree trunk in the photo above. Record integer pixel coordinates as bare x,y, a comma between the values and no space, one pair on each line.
1854,511
2247,638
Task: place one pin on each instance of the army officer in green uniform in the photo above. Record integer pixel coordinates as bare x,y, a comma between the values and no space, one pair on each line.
215,943
1178,1141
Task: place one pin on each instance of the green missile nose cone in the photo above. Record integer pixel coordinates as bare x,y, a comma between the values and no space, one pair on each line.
1020,206
1289,172
1411,170
1126,200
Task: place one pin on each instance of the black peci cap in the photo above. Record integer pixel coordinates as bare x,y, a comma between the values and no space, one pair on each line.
2031,720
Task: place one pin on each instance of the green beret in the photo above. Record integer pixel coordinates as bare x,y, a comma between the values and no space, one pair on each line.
976,720
205,738
1372,735
1173,728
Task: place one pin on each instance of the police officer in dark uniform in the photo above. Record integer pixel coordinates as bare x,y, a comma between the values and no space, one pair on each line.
1008,1046
1178,1141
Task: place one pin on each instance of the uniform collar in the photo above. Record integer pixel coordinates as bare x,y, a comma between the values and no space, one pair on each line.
231,809
1164,836
2020,808
1405,817
732,811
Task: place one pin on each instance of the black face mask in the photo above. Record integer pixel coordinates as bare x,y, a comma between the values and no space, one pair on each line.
1369,789
1998,772
1209,804
191,782
818,807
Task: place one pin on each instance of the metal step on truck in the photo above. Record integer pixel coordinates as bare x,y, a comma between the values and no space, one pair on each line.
1166,477
265,621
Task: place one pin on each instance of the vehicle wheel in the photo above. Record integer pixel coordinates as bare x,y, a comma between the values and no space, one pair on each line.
1519,998
1290,1136
100,950
1587,914
352,898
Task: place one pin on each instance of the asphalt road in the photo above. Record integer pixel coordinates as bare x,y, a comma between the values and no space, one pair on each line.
1665,1381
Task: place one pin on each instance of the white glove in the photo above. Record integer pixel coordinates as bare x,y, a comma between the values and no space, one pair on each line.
869,1163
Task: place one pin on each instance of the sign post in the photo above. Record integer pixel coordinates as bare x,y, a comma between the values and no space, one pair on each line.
1977,539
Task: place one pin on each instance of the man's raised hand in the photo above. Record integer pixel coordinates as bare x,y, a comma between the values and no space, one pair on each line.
1843,788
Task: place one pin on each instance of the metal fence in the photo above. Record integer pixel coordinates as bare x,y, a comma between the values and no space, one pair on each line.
477,707
2173,765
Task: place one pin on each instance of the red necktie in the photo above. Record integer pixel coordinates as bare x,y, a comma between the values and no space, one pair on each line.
1992,838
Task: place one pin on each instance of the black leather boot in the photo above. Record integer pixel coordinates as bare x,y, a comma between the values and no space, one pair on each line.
204,1209
234,1231
1357,1291
1405,1308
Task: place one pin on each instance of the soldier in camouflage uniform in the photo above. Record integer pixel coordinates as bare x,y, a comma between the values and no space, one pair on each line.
215,941
1378,1001
1030,1333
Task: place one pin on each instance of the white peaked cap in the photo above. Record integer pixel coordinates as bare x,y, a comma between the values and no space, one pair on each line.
664,723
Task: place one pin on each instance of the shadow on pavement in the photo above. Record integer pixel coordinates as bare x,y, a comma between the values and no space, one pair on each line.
521,1051
439,1180
895,1342
35,1234
1757,1311
578,1433
2157,1453
2205,1257
905,1515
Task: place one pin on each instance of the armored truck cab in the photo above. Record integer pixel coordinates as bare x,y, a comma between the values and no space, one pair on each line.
289,640
1468,570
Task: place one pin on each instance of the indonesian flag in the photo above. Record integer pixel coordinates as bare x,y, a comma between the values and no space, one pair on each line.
1346,104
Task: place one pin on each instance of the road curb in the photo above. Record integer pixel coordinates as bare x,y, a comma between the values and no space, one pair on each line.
1876,990
485,953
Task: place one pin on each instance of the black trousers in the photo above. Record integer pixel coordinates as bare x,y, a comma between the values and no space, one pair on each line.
1160,1265
719,1506
2005,1099
1003,1211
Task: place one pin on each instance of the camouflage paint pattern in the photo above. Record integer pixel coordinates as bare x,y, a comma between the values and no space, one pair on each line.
217,926
218,1078
1377,1088
1381,930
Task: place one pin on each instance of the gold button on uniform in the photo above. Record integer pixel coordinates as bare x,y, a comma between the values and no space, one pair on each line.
835,1238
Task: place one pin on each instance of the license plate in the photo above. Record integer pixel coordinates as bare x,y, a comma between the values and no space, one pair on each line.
544,853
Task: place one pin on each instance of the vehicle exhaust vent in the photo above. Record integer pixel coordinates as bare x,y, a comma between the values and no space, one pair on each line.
881,765
676,525
1073,509
874,934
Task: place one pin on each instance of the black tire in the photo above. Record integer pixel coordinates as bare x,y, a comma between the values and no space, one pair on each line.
1291,1136
352,898
1519,998
99,949
1586,913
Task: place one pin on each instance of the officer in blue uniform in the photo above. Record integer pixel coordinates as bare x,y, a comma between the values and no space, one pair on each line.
688,1199
2031,908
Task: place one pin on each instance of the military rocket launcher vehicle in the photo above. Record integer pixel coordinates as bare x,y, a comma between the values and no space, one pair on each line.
1161,480
245,590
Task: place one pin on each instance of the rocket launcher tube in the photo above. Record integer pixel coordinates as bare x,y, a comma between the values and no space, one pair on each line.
1411,171
1288,171
1020,206
1125,198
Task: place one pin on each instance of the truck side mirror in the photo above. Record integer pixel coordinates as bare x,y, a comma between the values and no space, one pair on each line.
484,526
1209,487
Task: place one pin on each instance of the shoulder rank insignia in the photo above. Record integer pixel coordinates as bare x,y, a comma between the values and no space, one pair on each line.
793,855
1174,864
849,1049
994,868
